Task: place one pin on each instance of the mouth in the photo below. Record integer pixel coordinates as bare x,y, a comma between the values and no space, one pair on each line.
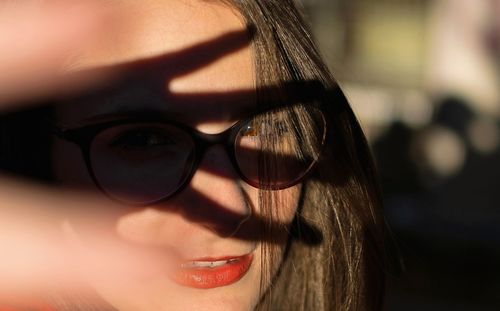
209,273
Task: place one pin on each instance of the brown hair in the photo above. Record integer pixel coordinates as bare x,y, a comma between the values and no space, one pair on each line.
343,269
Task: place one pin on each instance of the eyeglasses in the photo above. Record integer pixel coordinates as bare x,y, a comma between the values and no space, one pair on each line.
147,159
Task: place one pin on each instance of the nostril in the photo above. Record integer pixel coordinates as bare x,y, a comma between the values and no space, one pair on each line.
229,226
244,219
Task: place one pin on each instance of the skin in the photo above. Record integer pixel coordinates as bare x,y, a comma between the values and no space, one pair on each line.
159,28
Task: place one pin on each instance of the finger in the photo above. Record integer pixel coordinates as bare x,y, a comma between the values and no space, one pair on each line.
35,256
35,44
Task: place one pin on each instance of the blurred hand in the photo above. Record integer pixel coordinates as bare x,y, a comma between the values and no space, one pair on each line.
41,252
37,40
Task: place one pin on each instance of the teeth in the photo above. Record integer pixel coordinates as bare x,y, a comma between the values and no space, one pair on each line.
206,264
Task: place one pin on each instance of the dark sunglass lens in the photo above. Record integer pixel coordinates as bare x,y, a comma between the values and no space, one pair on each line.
276,149
141,163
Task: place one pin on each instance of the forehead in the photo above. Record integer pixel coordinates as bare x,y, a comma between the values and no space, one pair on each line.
162,28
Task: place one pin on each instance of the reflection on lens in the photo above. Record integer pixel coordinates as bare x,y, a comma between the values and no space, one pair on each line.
275,149
141,163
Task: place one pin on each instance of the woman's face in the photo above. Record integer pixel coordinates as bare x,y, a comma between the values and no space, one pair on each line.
192,227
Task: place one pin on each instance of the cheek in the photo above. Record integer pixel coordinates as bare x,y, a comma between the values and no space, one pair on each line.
276,215
279,215
288,201
282,206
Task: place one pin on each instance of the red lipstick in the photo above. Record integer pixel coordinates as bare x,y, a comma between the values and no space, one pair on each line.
211,273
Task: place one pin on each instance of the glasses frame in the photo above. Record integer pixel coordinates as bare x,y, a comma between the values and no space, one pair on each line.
85,135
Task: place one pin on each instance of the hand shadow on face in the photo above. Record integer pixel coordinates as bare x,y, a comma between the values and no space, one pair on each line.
188,60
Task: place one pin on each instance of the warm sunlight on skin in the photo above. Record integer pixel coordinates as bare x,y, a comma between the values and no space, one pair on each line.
35,256
31,57
183,226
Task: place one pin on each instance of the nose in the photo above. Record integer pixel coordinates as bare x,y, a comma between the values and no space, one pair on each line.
201,217
215,197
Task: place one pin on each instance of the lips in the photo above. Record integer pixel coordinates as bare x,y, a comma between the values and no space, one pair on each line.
212,272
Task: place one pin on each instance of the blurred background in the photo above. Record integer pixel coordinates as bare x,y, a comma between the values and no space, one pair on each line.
423,78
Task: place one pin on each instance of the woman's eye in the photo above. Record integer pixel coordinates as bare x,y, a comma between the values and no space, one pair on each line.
250,129
264,128
141,139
